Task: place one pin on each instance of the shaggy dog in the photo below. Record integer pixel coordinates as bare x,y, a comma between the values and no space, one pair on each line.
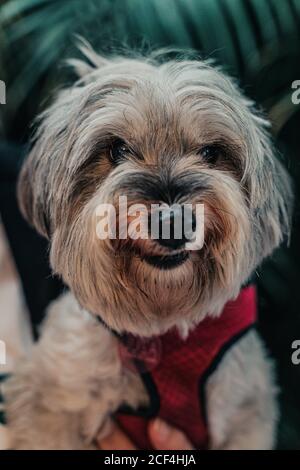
175,131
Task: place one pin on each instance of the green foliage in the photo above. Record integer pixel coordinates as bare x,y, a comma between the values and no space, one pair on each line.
247,37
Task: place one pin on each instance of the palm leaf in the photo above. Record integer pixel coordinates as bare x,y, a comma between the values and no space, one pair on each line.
234,32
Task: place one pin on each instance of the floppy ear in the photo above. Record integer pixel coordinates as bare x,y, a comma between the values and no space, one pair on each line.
272,194
30,197
276,216
40,190
43,181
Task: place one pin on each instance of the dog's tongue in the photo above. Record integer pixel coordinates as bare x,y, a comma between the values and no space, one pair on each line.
139,353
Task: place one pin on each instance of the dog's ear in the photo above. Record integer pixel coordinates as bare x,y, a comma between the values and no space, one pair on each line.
92,60
271,191
41,190
43,181
31,198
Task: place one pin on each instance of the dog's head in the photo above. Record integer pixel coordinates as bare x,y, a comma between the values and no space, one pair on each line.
175,132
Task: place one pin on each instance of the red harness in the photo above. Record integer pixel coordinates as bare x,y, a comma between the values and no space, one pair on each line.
176,382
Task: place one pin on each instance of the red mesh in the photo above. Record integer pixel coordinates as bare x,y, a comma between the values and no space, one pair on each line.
182,365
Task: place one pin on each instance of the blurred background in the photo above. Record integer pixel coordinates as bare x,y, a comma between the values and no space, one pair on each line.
257,41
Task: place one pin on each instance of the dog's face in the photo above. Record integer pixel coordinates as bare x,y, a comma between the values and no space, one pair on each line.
177,132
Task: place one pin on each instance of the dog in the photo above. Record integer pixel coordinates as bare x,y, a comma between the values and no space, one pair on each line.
147,327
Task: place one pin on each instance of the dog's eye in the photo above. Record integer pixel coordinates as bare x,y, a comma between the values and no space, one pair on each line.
118,151
210,153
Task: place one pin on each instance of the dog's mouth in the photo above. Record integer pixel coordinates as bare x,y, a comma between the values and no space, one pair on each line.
166,261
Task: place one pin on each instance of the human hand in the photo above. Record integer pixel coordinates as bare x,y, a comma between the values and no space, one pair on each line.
162,436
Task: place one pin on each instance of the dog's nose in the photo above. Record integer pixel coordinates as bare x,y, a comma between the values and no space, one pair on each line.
174,228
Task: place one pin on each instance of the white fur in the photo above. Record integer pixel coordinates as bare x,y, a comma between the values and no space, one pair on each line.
242,409
64,394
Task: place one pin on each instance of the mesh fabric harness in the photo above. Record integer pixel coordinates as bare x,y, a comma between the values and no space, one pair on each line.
176,384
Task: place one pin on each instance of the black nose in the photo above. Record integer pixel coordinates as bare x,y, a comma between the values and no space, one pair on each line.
175,227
